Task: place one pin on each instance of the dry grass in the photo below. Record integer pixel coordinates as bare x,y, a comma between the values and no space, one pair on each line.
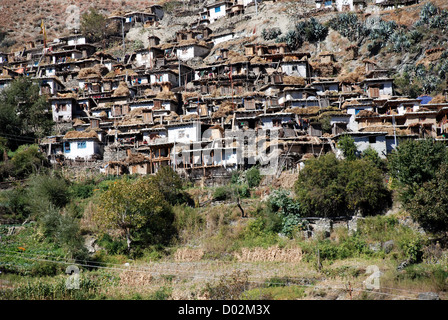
292,80
440,98
135,278
81,134
122,90
186,254
272,254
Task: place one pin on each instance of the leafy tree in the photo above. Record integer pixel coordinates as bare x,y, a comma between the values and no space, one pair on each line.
288,209
348,147
94,25
429,206
23,112
330,187
318,188
405,86
27,159
253,177
415,162
371,155
64,230
137,208
170,185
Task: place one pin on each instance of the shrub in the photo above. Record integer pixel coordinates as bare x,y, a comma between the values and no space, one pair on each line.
82,191
330,187
348,25
347,144
229,287
222,193
27,159
48,189
253,177
271,33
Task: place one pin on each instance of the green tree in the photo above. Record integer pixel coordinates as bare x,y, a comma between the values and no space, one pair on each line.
23,112
371,155
170,184
136,208
94,25
48,189
429,206
348,147
330,187
415,162
318,188
253,177
27,159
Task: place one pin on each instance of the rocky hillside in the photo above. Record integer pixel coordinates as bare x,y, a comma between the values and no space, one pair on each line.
398,40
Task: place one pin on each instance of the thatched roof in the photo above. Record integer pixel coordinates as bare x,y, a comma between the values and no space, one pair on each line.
440,98
294,80
355,76
190,116
91,134
78,122
137,158
96,71
306,110
186,95
367,113
166,95
122,90
224,110
235,57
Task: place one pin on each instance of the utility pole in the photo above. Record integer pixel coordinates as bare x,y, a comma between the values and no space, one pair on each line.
122,35
395,134
180,79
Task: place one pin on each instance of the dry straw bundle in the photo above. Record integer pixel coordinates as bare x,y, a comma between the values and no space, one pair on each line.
186,254
272,254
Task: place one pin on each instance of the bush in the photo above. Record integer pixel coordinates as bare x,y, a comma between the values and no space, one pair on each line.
348,25
48,189
82,191
415,162
271,33
329,187
170,184
27,159
112,246
229,287
253,177
281,203
222,193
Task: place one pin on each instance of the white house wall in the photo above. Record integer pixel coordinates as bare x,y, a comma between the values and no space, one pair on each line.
91,148
353,111
298,70
62,115
184,133
214,15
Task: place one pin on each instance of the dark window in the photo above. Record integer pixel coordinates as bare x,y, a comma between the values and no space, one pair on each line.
372,139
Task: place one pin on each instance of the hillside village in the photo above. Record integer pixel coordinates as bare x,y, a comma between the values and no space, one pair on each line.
224,150
176,102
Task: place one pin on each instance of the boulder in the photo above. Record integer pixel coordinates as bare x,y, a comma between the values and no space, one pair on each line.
388,246
428,296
